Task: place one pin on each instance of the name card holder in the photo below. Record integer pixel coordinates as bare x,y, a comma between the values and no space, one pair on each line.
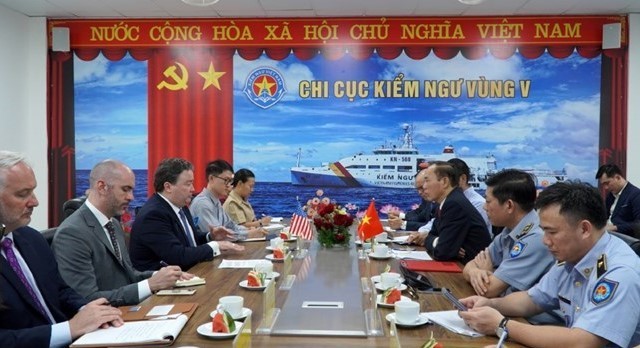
243,339
269,311
288,278
372,318
394,337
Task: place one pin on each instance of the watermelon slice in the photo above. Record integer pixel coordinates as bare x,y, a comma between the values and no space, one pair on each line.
255,279
285,235
278,253
391,296
223,322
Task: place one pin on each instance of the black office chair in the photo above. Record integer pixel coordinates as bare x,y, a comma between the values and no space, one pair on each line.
72,205
48,234
634,243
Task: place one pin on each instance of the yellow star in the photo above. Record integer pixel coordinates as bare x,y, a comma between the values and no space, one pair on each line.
264,86
365,220
211,77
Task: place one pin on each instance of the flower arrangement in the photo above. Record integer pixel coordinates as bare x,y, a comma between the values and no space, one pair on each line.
332,224
331,220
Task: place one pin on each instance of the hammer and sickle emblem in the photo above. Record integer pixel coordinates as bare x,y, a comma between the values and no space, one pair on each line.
179,80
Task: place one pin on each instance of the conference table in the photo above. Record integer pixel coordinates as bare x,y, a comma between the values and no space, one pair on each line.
318,273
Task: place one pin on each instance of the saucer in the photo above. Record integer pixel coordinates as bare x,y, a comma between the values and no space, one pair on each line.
292,239
270,257
243,284
374,256
387,305
376,279
245,312
274,275
401,287
421,320
205,330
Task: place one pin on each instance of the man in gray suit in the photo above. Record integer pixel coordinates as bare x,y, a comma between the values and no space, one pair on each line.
90,247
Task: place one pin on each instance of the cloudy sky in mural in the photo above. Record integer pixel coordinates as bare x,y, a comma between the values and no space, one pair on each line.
555,127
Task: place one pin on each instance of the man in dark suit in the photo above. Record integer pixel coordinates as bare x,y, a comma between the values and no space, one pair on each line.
414,219
90,247
623,201
458,231
164,231
38,308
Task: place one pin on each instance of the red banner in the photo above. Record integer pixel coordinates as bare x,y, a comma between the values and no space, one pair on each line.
327,32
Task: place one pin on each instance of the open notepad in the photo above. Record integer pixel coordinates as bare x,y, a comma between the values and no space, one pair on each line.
135,333
191,282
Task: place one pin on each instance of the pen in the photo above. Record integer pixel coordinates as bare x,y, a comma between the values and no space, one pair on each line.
163,264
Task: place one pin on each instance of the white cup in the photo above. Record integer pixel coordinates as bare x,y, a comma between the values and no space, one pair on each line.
389,280
233,305
407,312
275,242
381,250
382,237
265,267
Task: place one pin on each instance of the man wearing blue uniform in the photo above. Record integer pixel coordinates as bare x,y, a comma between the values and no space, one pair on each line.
596,282
516,259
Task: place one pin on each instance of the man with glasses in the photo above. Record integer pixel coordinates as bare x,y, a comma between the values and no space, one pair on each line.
164,231
207,209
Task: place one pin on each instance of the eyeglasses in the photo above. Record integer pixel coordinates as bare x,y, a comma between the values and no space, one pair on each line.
227,181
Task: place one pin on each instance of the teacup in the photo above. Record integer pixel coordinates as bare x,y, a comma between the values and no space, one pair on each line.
265,267
381,250
407,312
232,304
389,280
275,242
382,237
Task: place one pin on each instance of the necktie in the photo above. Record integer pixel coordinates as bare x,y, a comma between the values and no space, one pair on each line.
112,235
13,262
185,225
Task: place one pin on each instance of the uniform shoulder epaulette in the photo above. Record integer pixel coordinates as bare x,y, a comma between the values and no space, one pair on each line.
525,230
601,265
560,263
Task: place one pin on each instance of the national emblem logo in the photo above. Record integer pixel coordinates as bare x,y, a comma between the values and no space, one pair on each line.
603,291
264,87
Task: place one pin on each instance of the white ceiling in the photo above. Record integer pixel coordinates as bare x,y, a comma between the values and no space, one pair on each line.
312,8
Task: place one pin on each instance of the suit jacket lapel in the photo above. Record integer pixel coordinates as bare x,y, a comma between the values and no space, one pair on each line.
178,229
99,234
27,254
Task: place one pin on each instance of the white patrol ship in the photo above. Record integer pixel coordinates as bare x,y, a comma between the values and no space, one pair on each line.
394,166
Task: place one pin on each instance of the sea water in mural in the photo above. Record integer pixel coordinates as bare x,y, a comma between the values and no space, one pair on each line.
360,129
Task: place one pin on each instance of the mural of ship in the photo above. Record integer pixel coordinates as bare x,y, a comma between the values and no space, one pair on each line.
394,166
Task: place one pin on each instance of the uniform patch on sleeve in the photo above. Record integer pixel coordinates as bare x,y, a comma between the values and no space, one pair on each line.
517,249
603,291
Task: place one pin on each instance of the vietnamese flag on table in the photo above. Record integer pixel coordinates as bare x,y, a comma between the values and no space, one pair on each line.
370,224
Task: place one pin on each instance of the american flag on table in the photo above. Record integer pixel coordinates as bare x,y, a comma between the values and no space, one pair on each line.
300,225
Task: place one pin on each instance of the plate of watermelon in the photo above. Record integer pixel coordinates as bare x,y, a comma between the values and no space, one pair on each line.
274,257
389,301
245,284
221,326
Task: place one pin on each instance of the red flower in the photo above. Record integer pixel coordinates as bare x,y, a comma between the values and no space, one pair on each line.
327,209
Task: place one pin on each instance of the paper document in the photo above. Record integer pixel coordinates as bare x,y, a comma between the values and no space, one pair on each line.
160,310
276,219
239,263
191,282
134,333
273,227
451,321
401,239
416,255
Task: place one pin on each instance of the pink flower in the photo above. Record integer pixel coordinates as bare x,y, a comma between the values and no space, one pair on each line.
315,201
319,193
326,200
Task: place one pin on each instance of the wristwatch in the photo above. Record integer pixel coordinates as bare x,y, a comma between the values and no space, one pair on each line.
502,329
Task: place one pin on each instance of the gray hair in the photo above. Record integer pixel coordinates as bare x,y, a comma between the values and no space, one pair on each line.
9,159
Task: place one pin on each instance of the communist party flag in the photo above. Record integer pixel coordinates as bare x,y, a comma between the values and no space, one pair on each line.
370,224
